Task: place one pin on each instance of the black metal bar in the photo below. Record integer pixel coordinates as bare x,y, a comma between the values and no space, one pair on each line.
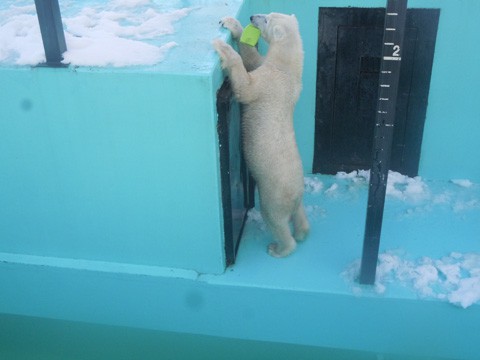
237,186
384,126
50,20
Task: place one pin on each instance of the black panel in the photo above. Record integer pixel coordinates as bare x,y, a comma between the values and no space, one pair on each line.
237,187
349,50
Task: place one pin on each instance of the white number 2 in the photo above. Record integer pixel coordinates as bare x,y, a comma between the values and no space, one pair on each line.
396,50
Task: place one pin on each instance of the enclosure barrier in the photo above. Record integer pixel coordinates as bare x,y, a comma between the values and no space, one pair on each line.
53,37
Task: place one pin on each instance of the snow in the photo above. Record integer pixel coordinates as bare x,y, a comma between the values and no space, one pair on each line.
103,33
461,206
313,185
454,278
398,186
462,182
401,188
356,175
331,189
406,188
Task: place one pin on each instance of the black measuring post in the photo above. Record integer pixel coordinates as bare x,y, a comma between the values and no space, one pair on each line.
384,126
51,27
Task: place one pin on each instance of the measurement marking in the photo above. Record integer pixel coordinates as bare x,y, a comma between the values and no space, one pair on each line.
382,112
383,99
389,125
385,85
390,29
392,14
386,72
394,58
388,44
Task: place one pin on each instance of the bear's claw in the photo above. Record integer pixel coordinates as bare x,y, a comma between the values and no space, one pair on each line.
233,25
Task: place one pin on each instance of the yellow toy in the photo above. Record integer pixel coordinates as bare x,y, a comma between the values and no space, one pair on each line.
250,35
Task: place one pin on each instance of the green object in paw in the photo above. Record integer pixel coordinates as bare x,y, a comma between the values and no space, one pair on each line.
250,35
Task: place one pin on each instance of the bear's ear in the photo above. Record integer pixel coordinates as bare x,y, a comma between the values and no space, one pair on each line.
293,15
278,32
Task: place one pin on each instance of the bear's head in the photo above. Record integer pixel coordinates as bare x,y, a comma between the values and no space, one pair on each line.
275,27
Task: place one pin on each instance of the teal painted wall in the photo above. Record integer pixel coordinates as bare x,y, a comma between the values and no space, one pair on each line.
452,126
117,167
234,309
451,140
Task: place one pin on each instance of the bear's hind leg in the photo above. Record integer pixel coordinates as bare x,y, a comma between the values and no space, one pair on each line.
284,243
301,227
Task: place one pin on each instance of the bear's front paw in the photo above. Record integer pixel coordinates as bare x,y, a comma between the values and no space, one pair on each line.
233,25
226,53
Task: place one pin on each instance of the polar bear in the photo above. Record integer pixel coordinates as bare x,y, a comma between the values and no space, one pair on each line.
269,88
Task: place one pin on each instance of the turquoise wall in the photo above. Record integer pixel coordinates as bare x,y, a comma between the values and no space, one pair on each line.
452,125
231,306
451,141
118,167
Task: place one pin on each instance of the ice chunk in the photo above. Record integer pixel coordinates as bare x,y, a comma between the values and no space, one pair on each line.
467,294
313,185
331,190
462,182
454,278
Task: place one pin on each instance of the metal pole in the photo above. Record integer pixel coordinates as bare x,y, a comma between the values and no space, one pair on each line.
384,127
50,20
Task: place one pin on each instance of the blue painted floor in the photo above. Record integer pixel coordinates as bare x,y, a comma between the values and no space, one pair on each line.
434,223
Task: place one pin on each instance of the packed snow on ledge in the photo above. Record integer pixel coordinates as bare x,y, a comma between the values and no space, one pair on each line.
102,33
401,188
454,278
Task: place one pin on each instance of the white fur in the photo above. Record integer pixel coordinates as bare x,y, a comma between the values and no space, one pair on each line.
269,88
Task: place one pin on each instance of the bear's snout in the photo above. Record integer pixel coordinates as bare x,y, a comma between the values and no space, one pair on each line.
258,20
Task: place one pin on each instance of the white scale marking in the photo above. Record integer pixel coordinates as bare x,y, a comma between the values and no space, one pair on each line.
392,14
385,85
392,58
390,29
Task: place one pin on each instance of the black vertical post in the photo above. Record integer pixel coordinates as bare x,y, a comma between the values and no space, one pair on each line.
384,126
50,20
